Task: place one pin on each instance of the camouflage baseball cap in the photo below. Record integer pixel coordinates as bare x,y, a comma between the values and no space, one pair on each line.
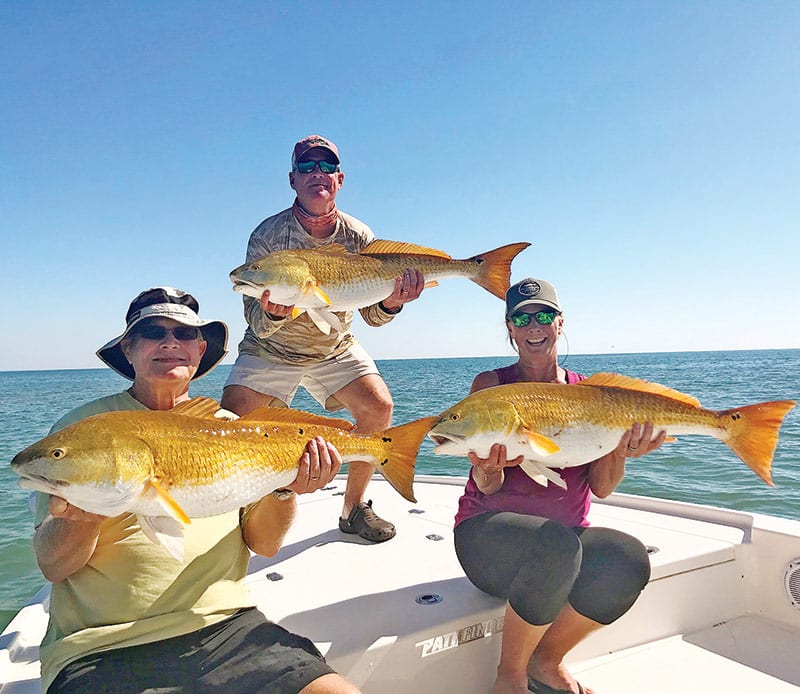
313,142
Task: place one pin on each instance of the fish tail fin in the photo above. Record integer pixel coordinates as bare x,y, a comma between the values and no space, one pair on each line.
401,446
495,268
753,433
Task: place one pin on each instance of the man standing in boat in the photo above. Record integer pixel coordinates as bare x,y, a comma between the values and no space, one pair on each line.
278,353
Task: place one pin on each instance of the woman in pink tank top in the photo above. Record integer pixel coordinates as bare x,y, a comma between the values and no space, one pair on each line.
532,545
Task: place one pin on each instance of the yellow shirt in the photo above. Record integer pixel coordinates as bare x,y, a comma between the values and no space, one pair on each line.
132,591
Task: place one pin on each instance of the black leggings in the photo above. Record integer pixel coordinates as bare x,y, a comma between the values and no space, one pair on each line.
539,565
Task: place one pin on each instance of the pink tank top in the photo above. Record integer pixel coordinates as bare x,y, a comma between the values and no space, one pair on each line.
520,494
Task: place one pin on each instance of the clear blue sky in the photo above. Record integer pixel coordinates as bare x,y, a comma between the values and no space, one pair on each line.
650,152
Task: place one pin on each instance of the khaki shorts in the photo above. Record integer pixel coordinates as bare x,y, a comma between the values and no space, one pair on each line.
322,379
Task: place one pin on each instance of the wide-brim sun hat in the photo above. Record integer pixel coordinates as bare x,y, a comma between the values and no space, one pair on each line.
528,292
177,305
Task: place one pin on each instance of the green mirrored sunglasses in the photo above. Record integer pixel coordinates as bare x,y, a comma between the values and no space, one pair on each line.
541,317
326,167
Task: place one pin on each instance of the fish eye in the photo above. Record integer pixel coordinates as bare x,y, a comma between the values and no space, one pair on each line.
455,417
58,453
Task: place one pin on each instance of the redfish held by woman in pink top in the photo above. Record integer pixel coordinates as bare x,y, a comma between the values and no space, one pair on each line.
558,426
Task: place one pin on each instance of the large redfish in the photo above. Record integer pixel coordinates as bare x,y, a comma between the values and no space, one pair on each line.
330,278
170,466
559,426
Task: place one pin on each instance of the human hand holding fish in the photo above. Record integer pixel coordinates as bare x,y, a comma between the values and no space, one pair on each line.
489,471
66,539
274,311
607,472
407,287
319,464
61,508
639,440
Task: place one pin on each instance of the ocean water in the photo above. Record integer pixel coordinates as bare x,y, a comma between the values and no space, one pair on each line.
696,468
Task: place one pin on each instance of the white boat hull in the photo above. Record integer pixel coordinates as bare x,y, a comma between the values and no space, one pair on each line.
400,617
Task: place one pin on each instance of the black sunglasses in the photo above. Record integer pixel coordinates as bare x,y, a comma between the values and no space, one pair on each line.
183,333
326,167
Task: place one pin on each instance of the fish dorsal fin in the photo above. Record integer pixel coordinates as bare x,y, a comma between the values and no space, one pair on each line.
382,247
292,416
629,383
197,407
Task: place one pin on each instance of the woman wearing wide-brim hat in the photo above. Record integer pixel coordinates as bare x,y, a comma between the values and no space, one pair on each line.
126,614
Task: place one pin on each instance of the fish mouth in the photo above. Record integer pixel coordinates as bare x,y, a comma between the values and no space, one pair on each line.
242,286
239,282
40,483
442,439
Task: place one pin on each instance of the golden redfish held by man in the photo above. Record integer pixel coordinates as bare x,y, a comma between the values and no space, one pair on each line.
557,426
330,278
169,466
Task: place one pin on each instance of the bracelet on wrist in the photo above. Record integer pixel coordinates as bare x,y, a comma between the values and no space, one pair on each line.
390,311
283,494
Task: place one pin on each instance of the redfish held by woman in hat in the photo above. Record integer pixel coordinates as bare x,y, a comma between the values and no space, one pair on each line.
327,279
170,466
555,426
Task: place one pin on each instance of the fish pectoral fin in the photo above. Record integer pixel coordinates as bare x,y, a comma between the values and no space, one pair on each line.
197,407
167,502
541,474
311,290
539,442
164,531
431,283
324,320
322,296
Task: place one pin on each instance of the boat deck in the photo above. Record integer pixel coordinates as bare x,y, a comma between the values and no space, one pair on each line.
401,616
